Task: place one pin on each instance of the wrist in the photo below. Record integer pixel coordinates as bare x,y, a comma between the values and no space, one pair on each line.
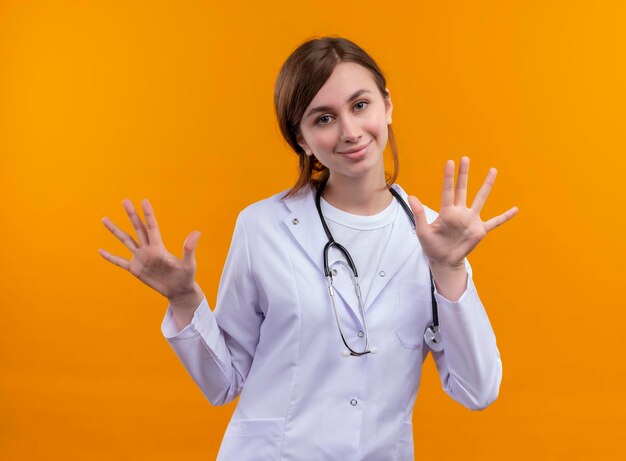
443,266
188,299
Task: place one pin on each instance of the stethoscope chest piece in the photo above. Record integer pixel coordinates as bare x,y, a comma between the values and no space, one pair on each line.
432,336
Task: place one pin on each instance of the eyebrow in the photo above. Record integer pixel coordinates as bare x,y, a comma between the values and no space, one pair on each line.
355,95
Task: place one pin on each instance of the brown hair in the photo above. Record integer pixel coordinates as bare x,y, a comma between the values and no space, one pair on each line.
302,75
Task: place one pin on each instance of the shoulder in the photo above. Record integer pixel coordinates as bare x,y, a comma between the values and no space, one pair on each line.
272,209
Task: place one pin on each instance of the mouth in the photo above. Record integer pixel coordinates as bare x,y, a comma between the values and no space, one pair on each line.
356,150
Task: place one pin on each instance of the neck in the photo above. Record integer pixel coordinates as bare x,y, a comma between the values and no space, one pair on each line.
364,196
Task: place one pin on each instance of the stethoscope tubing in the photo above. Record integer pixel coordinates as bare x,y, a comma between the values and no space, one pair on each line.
432,333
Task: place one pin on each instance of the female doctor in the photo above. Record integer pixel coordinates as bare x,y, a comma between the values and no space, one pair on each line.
331,298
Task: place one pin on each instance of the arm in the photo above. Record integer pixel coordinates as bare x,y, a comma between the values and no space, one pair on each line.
217,348
469,365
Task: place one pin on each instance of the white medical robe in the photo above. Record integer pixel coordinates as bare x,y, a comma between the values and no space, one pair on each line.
273,340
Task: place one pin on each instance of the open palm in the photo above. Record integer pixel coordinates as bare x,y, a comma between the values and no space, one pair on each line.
151,262
457,229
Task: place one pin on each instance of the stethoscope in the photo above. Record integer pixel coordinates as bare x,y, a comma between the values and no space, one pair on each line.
432,334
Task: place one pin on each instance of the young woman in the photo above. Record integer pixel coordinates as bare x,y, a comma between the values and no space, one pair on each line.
331,297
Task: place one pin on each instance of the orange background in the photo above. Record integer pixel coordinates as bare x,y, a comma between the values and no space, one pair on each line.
100,101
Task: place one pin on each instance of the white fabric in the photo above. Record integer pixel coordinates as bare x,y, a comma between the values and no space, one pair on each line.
273,341
364,237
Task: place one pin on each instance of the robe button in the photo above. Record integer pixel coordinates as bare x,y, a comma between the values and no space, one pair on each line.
360,334
381,273
334,272
294,221
353,402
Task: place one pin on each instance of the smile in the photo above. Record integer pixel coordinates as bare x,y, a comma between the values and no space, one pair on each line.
358,151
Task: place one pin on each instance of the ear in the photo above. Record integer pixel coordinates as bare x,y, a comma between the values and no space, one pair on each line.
388,106
303,144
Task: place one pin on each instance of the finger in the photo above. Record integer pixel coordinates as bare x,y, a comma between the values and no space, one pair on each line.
461,183
153,228
140,229
483,193
121,262
421,224
501,219
447,194
122,236
189,248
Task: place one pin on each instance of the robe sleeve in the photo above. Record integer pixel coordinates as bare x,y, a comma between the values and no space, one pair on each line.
217,347
469,366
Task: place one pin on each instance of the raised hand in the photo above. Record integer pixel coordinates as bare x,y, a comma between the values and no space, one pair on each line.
458,229
151,262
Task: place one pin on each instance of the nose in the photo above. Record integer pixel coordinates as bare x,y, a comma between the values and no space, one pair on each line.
350,129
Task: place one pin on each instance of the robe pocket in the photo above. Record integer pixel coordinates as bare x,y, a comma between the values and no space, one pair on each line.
258,439
413,313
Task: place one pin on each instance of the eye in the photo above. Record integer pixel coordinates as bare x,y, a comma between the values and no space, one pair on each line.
320,119
362,102
326,119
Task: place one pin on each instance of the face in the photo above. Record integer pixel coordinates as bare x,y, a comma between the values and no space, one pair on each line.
347,113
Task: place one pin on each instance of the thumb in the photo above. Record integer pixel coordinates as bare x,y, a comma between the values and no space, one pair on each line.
421,225
189,248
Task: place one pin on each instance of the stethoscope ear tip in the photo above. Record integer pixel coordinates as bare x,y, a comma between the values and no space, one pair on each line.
345,353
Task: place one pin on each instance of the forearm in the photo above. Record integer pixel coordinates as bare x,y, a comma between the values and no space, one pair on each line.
201,347
470,365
